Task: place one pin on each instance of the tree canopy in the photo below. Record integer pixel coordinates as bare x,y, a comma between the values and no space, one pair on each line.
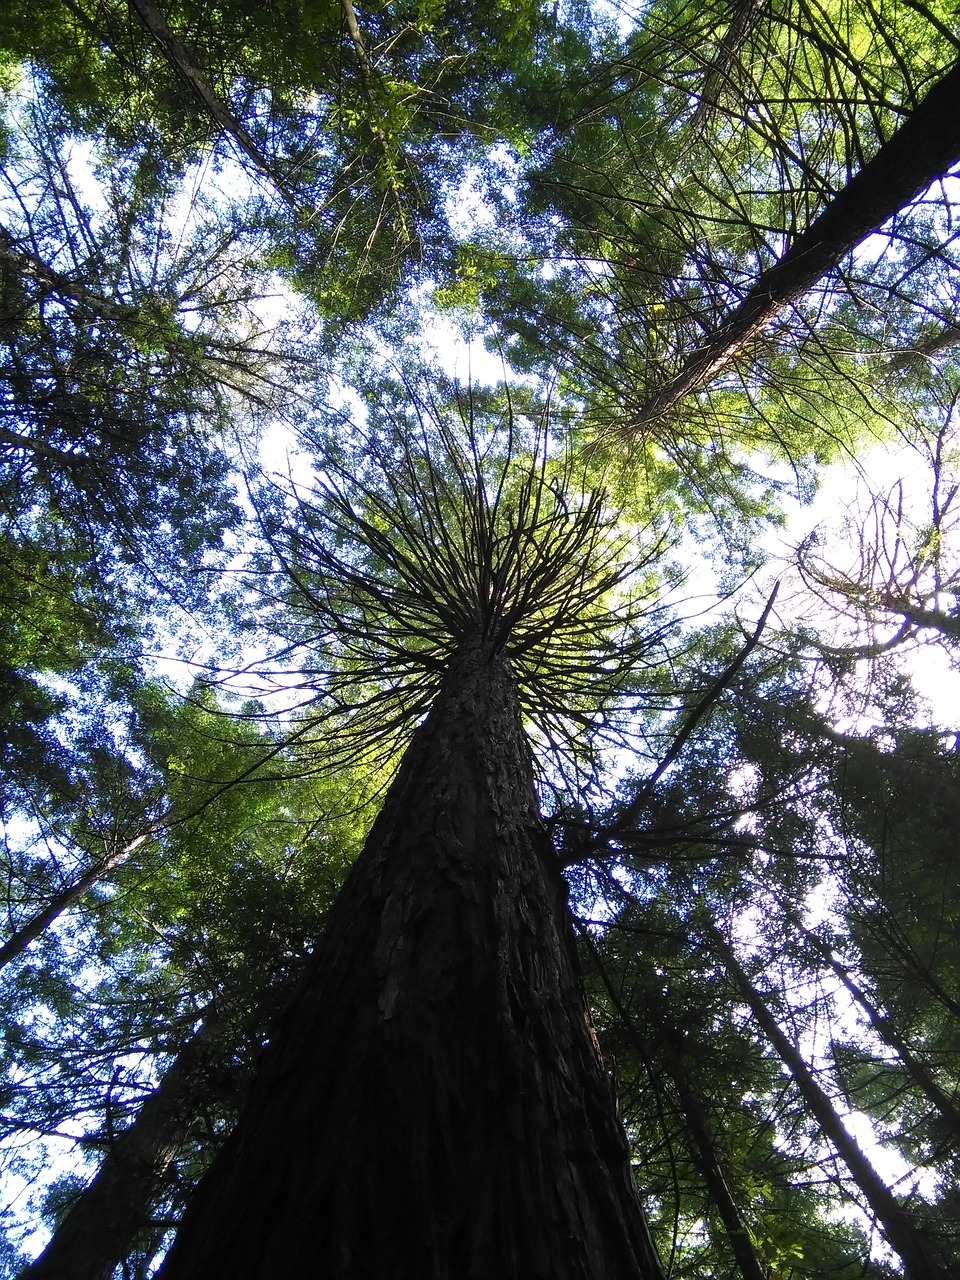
618,343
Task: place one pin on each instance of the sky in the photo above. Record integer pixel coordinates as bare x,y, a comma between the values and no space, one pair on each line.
833,514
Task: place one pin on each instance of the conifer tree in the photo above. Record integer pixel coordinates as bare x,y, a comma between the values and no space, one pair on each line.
433,1099
724,233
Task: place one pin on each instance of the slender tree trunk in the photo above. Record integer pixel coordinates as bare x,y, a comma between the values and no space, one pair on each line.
18,942
888,1033
706,1152
99,1231
30,445
706,1155
432,1103
920,1254
721,70
61,901
390,155
893,938
183,64
925,146
19,265
927,348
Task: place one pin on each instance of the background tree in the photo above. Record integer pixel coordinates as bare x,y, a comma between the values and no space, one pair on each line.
671,216
169,965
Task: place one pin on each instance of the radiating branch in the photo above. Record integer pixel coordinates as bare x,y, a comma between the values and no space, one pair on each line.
421,539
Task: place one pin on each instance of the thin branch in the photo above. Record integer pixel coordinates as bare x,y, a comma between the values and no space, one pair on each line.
693,720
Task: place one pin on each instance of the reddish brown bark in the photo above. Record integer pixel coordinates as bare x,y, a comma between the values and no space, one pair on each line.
432,1103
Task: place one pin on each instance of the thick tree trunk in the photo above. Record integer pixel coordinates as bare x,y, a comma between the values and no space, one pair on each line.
925,146
432,1103
920,1254
99,1230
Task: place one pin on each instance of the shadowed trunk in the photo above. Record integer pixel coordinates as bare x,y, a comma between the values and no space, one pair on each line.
432,1103
920,1253
887,931
706,1150
99,1231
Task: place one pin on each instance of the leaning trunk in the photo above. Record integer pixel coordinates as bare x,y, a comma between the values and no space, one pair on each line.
706,1150
693,1108
432,1102
888,1033
921,1255
180,60
17,944
100,1229
922,150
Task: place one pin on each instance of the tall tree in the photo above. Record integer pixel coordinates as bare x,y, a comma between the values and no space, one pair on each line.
433,1099
920,1253
667,211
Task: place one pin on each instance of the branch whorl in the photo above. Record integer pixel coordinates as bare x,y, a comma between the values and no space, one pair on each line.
412,544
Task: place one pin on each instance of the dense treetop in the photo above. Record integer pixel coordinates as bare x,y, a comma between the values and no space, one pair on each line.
712,249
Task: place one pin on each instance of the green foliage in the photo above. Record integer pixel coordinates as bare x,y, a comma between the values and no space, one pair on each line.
458,522
595,195
642,225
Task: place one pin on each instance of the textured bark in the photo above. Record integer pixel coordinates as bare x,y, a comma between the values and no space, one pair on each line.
432,1103
923,149
99,1230
722,70
920,1254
